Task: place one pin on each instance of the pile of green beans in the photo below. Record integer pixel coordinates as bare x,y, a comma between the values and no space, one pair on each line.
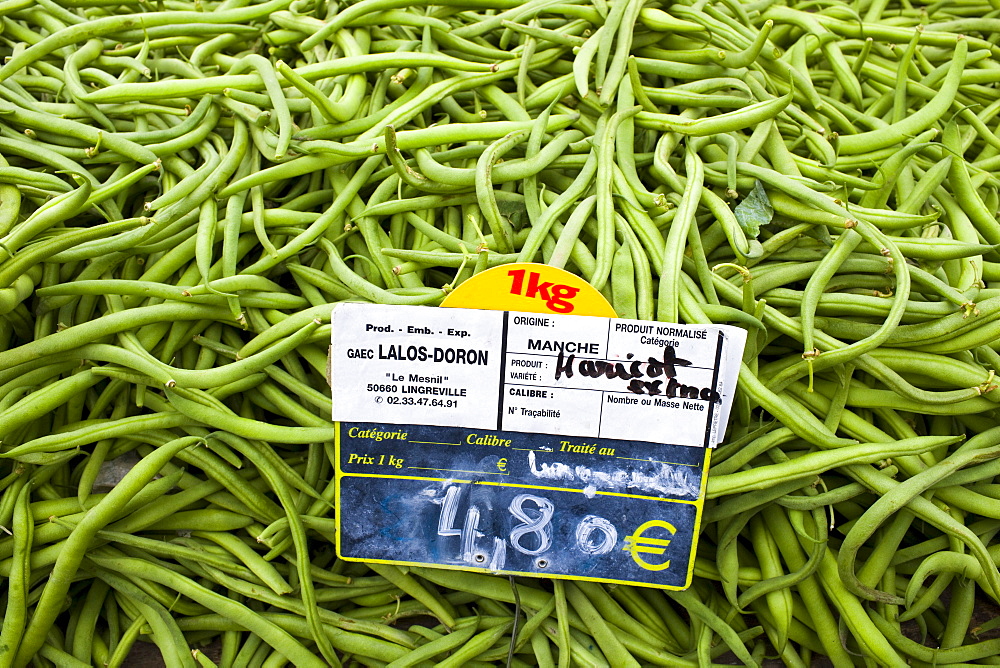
187,188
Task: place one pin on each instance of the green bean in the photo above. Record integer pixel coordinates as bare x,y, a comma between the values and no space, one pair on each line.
973,450
704,127
185,88
328,617
45,400
270,81
110,25
51,246
862,453
73,553
779,601
86,622
60,209
265,571
484,189
272,634
610,645
455,639
157,547
965,653
623,282
667,306
504,172
918,121
19,581
348,642
474,647
844,246
605,203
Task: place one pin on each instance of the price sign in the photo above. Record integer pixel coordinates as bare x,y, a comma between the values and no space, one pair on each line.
528,443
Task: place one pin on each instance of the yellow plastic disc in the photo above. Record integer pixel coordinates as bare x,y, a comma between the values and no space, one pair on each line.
530,287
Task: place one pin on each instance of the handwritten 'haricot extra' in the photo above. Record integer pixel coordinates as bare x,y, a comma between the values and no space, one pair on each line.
644,377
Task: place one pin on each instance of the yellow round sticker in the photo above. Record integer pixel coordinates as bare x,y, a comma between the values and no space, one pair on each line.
530,287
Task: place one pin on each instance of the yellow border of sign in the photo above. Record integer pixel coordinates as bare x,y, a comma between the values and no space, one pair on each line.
531,288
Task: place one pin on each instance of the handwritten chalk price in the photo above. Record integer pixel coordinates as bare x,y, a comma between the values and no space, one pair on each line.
531,533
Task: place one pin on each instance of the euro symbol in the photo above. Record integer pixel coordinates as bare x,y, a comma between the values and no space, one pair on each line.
637,544
502,465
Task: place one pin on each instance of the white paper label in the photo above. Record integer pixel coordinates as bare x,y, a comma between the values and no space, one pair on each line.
575,376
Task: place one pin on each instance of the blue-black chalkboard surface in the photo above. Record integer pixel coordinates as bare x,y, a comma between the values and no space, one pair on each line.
558,446
611,510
